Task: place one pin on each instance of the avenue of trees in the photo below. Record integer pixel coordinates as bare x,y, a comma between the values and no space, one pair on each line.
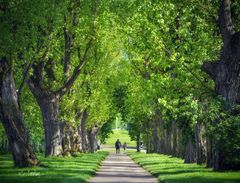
170,68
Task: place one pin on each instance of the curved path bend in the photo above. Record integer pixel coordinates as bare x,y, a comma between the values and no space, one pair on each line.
121,169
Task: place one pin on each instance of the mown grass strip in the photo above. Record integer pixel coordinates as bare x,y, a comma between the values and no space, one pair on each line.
173,170
55,169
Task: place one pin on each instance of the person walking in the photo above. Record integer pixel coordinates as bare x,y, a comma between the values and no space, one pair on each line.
117,146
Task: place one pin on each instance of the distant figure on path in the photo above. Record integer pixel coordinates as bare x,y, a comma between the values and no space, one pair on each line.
124,146
117,146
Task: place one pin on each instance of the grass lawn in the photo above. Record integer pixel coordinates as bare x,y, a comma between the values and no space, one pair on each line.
173,170
56,169
122,135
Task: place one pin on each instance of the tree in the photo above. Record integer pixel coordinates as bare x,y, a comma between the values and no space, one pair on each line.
225,71
11,114
63,47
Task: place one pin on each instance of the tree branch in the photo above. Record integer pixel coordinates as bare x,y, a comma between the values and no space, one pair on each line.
138,69
27,69
196,77
68,84
67,54
225,21
25,77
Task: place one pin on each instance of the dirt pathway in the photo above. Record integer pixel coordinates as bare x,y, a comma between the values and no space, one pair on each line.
120,169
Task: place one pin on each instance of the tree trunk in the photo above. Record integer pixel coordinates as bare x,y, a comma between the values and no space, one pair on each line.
65,139
209,160
189,152
138,143
84,131
49,106
199,148
92,139
174,139
79,137
148,150
22,153
157,142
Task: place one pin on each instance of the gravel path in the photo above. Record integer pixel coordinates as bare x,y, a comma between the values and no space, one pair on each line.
120,169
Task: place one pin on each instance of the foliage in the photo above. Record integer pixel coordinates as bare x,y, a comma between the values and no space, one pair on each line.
144,64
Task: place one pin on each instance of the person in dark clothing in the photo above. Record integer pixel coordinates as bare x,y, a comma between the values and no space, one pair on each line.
117,146
124,146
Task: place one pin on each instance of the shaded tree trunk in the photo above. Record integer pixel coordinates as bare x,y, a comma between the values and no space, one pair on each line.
69,139
138,143
155,139
189,152
83,127
209,158
64,136
200,158
148,145
22,152
168,140
92,138
174,139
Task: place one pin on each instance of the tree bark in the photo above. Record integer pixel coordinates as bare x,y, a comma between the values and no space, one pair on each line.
138,143
209,158
225,72
199,147
174,139
49,106
148,146
22,152
92,139
83,130
189,152
155,138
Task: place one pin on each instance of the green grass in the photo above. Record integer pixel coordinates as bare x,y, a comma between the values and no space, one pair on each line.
122,135
173,170
56,169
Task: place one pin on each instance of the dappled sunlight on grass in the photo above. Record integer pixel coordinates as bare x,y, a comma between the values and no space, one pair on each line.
54,169
173,170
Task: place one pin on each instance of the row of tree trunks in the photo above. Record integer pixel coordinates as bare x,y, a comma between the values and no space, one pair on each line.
198,148
168,139
12,120
70,141
80,139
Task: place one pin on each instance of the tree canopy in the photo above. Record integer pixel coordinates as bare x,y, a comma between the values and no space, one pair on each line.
169,68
